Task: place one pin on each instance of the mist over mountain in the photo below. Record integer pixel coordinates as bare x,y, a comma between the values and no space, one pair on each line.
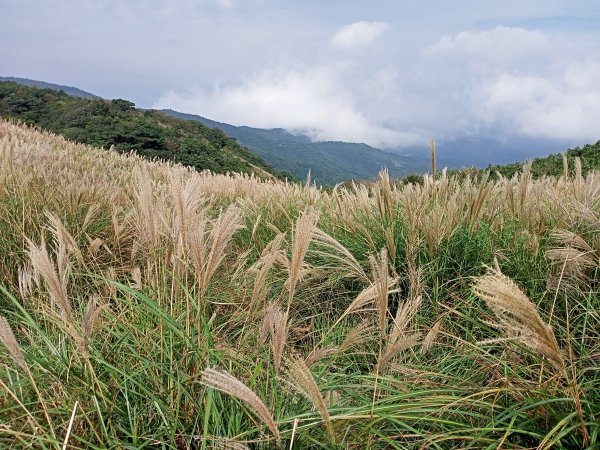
482,151
328,162
334,161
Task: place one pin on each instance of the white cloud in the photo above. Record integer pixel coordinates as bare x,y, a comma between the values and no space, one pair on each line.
501,45
312,101
439,73
564,108
504,82
358,34
517,81
226,3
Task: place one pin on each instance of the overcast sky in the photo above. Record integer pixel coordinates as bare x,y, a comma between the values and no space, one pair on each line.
391,73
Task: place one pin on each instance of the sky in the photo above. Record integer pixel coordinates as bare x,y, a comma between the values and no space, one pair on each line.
390,73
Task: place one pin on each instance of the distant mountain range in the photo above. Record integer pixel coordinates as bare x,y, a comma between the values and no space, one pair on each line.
328,162
334,161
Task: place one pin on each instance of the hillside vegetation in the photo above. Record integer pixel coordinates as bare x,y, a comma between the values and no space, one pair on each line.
118,124
556,164
146,305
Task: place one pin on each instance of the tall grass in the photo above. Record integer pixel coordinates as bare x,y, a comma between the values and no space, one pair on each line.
145,305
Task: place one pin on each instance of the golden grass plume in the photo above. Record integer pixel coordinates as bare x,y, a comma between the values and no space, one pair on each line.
518,317
304,381
228,384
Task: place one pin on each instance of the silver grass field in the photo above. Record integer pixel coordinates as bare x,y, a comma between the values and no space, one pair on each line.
146,305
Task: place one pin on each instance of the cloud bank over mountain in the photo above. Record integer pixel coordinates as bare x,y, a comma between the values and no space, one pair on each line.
502,81
390,74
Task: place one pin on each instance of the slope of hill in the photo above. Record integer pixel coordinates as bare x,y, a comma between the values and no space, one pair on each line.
75,92
117,123
328,162
146,305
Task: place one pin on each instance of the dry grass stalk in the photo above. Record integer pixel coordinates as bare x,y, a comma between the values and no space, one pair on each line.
574,259
26,280
578,181
306,384
7,337
518,317
187,199
270,255
431,336
56,282
222,443
390,245
432,153
7,155
57,286
356,336
227,383
363,332
94,245
275,324
404,315
340,254
91,318
439,219
318,354
367,297
381,281
92,214
70,426
221,233
577,260
523,186
361,197
399,338
136,276
587,214
208,249
148,213
478,200
66,244
384,197
301,237
393,349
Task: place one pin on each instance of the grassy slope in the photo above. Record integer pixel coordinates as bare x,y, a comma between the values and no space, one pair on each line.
118,124
347,319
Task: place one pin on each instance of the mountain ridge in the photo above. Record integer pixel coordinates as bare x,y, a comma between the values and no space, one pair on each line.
329,162
69,90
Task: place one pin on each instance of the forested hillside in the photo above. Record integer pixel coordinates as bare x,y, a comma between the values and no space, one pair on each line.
117,123
553,164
